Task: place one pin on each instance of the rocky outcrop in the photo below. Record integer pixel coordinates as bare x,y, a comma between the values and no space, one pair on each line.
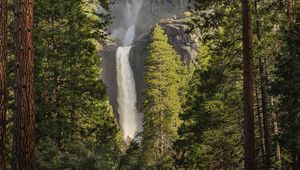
183,41
151,12
181,38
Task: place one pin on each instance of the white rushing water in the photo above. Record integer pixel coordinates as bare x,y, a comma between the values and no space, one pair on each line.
129,118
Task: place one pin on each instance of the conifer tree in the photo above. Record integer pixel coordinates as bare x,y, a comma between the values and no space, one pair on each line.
249,139
162,102
24,95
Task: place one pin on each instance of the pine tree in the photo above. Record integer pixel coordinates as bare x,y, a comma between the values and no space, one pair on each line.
24,96
162,101
3,90
249,141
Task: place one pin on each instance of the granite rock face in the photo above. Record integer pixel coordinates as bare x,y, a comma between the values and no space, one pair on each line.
184,42
151,12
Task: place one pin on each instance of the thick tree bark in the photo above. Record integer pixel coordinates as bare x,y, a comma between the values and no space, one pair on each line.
24,98
264,95
3,58
249,139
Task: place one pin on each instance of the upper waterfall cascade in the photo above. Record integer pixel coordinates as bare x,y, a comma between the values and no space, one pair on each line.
127,13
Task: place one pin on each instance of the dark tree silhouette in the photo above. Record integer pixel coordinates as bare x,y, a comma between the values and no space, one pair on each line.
249,143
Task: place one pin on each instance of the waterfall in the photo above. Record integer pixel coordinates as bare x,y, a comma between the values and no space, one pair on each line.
129,118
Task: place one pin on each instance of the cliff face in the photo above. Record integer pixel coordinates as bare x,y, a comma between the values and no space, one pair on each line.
151,12
183,42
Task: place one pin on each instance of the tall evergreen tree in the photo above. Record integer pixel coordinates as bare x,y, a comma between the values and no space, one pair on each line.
24,96
162,101
249,140
3,61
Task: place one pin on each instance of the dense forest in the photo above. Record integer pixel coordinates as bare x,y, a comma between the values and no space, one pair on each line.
149,84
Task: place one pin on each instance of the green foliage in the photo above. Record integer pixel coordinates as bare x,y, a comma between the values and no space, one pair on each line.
75,125
287,87
210,136
131,159
76,155
193,118
212,111
162,101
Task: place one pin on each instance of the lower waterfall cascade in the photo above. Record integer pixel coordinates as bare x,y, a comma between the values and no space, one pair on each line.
129,118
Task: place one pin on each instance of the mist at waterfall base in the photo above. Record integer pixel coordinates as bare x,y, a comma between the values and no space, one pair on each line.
131,20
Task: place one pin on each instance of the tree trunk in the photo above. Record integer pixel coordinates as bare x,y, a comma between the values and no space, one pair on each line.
275,128
260,126
3,58
24,98
249,139
265,111
264,95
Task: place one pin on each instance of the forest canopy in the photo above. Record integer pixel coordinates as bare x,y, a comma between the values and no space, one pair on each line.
195,84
